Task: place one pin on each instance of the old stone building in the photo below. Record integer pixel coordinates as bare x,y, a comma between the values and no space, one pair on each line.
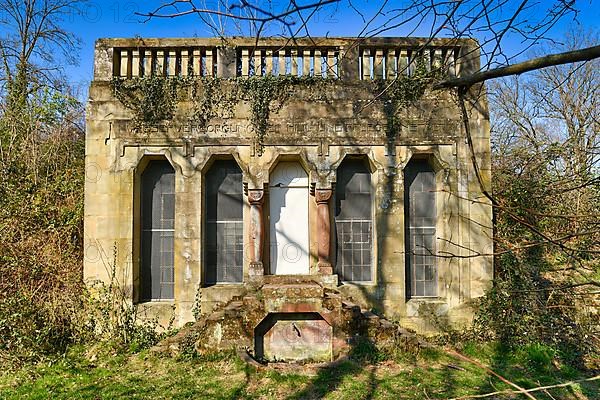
286,180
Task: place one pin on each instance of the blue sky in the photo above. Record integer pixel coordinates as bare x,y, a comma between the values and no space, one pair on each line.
116,18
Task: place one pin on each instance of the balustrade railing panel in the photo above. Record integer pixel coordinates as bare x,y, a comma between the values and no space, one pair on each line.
390,62
319,62
140,62
341,58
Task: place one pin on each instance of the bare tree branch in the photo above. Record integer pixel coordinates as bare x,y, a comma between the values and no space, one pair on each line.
537,389
521,390
267,16
585,54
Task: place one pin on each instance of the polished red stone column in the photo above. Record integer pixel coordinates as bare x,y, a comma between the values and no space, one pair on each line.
322,197
256,232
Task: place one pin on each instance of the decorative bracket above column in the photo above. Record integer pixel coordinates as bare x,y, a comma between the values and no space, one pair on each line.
323,195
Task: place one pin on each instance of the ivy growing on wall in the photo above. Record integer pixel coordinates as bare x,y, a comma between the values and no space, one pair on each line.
269,94
211,98
403,91
154,99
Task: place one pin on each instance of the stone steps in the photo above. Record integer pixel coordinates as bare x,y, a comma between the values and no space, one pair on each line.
233,323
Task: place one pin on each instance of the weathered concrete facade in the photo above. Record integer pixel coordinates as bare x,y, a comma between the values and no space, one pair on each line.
317,134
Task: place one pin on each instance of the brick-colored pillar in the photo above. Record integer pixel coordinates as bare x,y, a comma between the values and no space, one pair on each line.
256,232
322,197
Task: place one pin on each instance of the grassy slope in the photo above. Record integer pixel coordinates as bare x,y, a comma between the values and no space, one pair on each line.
431,375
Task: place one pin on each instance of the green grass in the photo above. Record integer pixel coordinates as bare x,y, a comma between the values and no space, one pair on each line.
98,374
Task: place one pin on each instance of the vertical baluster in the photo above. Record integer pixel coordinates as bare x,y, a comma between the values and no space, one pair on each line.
257,62
124,62
413,59
378,64
450,62
197,62
318,68
455,61
210,63
294,62
160,63
390,64
147,62
437,58
269,62
331,64
281,62
403,62
185,58
135,63
306,62
366,64
245,62
172,63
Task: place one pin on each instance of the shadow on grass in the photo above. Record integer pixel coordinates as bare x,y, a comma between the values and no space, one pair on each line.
531,366
363,354
241,391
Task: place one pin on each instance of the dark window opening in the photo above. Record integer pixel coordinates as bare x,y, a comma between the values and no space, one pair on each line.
223,223
158,223
353,221
420,216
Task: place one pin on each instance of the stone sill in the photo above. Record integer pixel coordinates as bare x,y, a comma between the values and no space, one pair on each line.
428,300
359,283
222,284
158,302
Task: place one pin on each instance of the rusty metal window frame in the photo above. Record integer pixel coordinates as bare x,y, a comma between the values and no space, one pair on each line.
354,222
157,269
224,239
420,219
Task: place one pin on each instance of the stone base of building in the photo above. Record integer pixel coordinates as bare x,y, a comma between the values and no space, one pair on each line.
287,319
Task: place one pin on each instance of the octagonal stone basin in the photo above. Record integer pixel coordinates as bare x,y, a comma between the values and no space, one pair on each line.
293,337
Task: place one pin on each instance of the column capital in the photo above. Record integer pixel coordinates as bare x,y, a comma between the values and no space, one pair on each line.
323,195
256,196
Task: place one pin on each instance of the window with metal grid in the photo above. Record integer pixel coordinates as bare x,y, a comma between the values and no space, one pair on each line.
420,216
353,221
158,222
224,238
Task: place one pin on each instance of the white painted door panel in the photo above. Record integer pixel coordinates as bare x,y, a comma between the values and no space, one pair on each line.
288,198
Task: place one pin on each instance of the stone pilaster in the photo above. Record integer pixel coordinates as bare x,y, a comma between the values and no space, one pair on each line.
322,197
256,232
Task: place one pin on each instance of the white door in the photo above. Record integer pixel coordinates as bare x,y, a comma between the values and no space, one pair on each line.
288,198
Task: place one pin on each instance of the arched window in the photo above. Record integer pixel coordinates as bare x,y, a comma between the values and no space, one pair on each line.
420,218
223,223
158,222
354,221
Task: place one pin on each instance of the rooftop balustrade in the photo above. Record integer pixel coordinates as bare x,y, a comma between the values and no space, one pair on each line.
346,59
